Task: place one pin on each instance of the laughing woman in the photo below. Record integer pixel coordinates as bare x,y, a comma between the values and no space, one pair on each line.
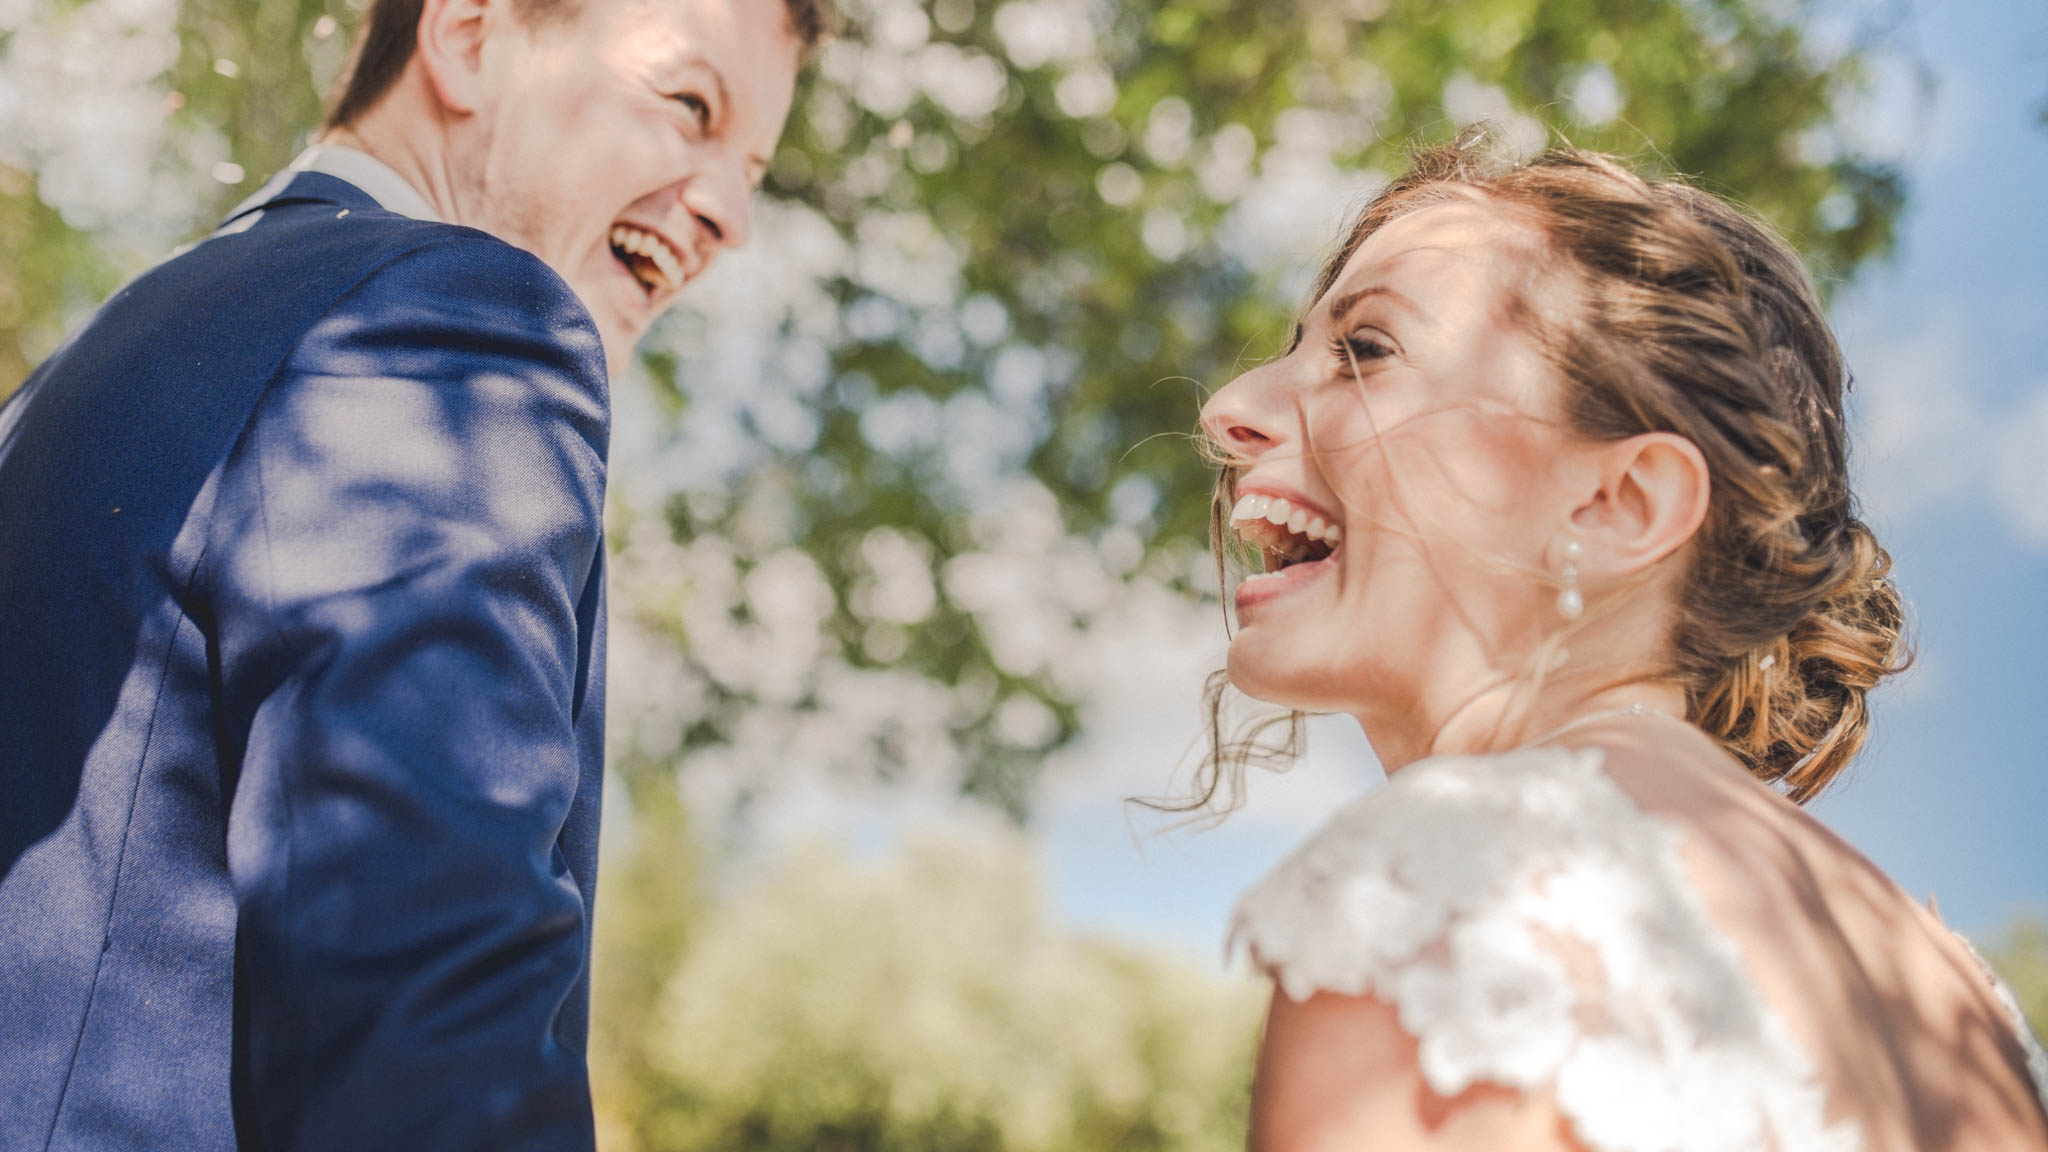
1550,493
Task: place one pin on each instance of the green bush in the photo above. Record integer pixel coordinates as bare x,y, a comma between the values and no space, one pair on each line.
926,1003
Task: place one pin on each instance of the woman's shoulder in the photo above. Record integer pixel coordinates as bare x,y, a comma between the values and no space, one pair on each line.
1533,927
1907,1021
1636,929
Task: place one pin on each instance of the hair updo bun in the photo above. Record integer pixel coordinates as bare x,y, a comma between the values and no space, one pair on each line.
1793,709
1695,319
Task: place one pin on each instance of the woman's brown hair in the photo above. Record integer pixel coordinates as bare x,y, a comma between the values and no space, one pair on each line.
1697,320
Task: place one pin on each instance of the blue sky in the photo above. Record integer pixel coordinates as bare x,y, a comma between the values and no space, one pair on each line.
1949,343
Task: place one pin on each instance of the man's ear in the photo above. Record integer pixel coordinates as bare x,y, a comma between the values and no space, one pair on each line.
1651,500
452,43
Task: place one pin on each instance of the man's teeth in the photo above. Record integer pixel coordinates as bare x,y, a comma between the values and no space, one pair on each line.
1283,513
635,242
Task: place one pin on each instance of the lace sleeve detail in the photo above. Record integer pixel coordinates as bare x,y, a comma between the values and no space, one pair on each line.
1535,929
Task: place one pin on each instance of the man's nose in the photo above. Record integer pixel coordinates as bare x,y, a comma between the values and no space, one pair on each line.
1236,417
723,205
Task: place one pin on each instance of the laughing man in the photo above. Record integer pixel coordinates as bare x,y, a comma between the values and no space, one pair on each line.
301,679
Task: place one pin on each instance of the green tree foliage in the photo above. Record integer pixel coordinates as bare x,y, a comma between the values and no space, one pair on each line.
129,126
649,890
1064,221
2020,956
43,251
925,1003
1008,245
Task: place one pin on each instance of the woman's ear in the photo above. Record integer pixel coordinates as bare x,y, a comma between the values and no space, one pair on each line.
1651,500
452,38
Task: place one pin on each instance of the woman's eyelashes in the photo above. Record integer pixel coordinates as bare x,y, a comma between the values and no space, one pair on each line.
1358,347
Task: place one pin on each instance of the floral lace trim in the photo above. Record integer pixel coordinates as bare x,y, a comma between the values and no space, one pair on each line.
1447,892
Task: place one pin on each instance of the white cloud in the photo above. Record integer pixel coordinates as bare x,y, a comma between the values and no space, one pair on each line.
1932,435
1921,416
2020,482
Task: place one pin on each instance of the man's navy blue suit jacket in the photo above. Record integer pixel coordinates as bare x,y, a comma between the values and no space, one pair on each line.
301,679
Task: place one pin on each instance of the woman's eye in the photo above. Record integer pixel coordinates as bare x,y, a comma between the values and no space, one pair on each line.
1358,348
696,106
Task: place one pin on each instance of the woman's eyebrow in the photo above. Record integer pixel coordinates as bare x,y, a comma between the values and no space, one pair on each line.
1343,305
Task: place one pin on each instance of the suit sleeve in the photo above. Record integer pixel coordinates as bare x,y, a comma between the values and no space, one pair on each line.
402,540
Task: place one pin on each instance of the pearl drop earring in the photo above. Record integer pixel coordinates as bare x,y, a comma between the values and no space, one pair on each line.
1570,604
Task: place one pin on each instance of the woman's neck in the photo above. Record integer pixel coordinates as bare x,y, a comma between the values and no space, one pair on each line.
1500,718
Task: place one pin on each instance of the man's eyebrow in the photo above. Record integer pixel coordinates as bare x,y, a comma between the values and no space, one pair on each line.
757,164
1343,305
718,82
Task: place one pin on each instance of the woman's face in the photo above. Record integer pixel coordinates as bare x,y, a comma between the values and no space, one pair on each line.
1419,417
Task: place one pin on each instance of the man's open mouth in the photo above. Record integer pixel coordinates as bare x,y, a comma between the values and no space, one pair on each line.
649,258
1284,534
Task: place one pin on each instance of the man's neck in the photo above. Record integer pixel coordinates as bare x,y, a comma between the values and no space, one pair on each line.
419,157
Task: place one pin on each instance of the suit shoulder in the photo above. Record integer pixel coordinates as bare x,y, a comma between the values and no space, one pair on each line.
449,261
457,288
327,259
435,254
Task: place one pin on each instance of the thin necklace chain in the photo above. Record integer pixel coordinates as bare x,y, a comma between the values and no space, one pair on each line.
1640,710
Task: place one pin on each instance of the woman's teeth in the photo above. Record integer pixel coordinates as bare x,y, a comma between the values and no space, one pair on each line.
648,257
1278,511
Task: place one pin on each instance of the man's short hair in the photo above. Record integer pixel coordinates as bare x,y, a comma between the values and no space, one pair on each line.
390,31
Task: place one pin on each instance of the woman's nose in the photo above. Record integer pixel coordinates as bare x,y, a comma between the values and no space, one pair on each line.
1236,417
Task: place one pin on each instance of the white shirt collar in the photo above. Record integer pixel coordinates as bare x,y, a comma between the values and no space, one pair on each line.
373,176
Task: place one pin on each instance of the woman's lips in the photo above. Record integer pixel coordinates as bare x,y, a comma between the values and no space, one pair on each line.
1265,586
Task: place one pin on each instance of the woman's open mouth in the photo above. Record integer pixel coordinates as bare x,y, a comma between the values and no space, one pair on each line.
1296,544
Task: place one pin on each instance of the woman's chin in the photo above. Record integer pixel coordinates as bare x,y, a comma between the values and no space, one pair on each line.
1270,678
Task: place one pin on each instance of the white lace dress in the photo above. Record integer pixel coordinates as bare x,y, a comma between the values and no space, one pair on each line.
1447,892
